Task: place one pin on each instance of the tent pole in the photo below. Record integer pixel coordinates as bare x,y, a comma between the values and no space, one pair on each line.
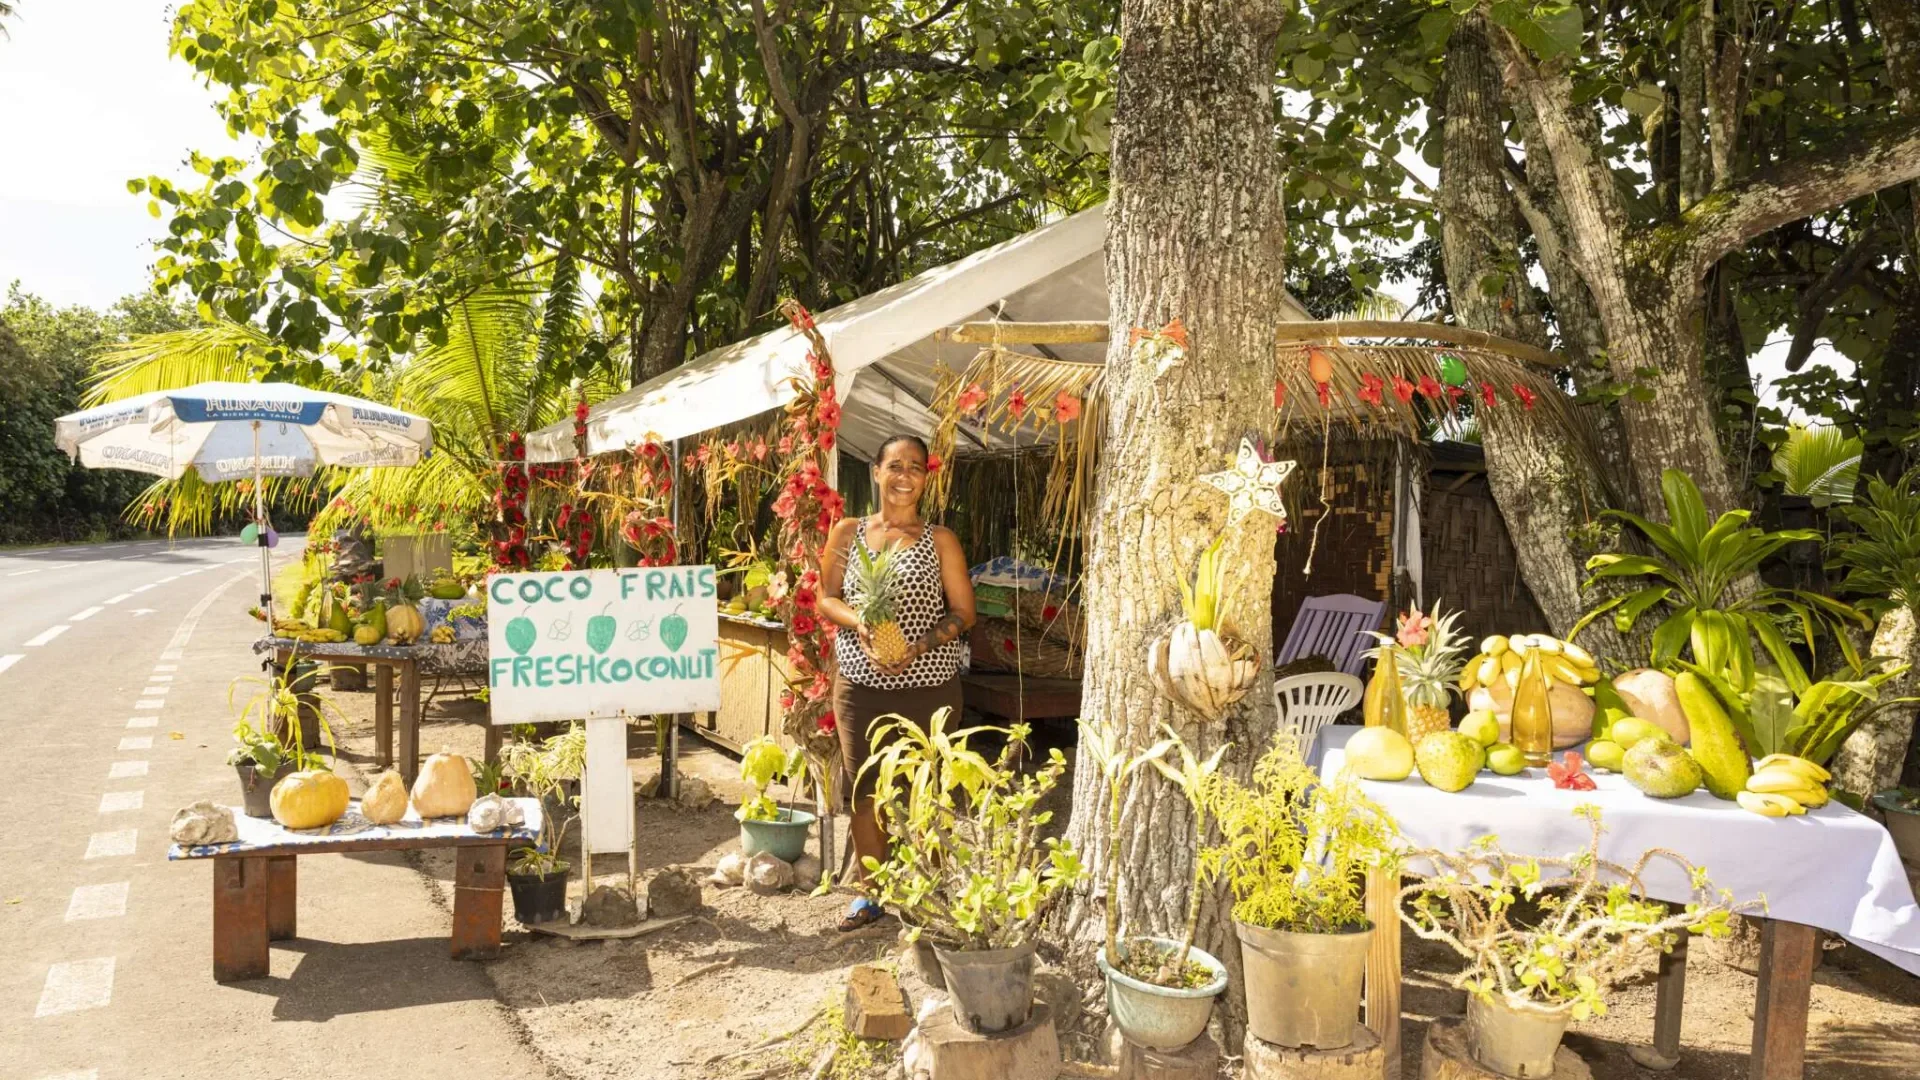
260,530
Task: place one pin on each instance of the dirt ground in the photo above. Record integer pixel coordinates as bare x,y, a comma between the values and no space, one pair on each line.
690,1001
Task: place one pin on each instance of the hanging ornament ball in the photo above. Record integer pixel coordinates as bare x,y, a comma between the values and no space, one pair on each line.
273,538
250,534
1453,370
1319,365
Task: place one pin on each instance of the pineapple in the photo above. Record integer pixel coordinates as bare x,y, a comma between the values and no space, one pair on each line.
873,577
1428,659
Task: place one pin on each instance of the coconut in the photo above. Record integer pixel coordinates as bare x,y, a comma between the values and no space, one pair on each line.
1649,695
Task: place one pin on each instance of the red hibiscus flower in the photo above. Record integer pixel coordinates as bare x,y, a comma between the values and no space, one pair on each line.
1525,395
1176,332
1569,773
796,656
819,687
804,599
1486,394
1066,407
1325,393
804,624
786,699
1402,389
970,399
829,414
1049,612
933,464
1017,403
828,723
1429,388
1372,389
1279,395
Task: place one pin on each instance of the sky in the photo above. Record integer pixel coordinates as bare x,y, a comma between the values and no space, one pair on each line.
89,98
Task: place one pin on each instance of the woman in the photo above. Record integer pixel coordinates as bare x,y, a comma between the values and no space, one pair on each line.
933,603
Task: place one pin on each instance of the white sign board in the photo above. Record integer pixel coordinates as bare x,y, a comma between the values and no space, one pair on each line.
583,643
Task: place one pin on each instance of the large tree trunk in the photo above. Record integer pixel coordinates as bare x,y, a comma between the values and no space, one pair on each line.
1196,231
1874,755
1545,486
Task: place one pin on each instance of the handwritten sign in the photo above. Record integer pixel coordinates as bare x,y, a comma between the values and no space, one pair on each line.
581,643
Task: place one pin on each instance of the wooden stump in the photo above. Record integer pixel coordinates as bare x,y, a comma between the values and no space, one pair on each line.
1445,1057
875,1008
1363,1059
940,1049
1198,1060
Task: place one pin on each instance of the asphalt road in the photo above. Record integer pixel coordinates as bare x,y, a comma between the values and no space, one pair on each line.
115,662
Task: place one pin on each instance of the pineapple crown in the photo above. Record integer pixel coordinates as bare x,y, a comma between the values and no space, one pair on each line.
1424,640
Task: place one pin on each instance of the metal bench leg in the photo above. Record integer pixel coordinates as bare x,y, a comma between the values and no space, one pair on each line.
239,918
479,879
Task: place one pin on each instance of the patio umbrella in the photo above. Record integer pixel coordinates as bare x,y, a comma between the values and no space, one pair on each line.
232,431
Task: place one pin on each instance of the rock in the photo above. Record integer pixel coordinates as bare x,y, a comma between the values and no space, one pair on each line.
490,812
204,823
806,872
731,871
608,906
649,787
672,892
695,793
1061,993
767,874
875,1008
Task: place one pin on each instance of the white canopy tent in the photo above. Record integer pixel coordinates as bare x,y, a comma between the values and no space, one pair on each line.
886,346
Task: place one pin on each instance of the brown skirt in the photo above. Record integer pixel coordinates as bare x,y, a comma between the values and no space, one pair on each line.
857,707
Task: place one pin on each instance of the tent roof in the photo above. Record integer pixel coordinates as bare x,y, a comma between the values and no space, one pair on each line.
1054,273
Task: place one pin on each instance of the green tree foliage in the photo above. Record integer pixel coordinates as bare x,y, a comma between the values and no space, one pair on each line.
45,356
694,159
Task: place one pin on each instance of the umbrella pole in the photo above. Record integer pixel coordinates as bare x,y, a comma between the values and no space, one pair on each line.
260,529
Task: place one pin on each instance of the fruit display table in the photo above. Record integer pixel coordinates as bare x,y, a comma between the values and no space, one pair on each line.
255,878
1830,869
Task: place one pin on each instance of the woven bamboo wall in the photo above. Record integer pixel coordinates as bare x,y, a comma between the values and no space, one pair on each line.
1470,562
1354,553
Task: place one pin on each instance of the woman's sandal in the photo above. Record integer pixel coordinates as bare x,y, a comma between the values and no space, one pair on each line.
863,913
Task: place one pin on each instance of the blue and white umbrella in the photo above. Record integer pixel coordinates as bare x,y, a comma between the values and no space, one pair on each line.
232,431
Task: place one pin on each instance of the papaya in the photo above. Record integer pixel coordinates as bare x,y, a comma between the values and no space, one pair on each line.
1715,745
377,618
339,621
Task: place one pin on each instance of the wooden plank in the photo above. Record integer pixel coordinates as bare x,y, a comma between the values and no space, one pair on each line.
1785,990
409,721
283,889
479,879
1423,331
239,918
1383,966
1028,333
383,715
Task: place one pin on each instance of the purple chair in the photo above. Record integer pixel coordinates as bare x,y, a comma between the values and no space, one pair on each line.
1331,626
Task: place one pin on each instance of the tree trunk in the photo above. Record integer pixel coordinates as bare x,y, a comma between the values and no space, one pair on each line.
1874,755
1196,231
1545,486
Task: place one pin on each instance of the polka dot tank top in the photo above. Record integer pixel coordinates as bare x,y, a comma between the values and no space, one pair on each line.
920,602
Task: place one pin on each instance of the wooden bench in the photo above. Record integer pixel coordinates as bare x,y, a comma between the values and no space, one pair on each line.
256,880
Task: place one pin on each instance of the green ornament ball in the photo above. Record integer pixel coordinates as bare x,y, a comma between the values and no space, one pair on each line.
1453,370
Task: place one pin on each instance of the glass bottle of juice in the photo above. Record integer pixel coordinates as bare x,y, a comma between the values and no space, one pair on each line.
1384,705
1532,716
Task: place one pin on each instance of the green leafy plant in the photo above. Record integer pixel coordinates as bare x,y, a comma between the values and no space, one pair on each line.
1199,781
762,762
1777,714
1595,923
1105,745
967,863
1882,561
1702,573
269,729
1821,463
543,769
1294,849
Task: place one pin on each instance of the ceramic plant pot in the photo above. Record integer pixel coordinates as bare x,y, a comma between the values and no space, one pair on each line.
1517,1040
1303,989
992,989
785,839
1161,1017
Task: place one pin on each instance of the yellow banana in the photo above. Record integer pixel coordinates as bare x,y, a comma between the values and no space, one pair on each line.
1469,673
1578,655
1489,670
1512,659
1561,669
1766,805
1813,798
1813,772
1548,645
1494,645
1782,779
1512,677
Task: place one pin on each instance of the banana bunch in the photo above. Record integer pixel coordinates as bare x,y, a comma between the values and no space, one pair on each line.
442,635
1501,658
316,637
1782,784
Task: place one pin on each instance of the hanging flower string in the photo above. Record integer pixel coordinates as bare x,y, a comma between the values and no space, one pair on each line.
509,526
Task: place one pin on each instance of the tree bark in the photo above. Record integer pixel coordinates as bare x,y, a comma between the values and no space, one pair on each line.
1196,231
1873,756
1545,486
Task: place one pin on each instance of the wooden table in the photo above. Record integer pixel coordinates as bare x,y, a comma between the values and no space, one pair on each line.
1019,698
256,882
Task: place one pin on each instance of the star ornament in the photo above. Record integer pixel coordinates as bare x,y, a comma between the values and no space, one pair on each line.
1253,483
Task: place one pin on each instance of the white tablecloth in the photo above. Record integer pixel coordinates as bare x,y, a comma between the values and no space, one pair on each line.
1832,868
264,833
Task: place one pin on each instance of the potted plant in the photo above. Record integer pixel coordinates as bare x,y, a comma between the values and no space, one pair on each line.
765,825
967,865
538,876
1160,990
1900,807
271,733
1526,978
1295,852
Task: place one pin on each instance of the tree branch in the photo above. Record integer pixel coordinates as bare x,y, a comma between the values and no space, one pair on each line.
1795,188
1816,298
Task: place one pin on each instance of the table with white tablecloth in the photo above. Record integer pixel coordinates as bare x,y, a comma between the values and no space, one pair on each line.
1830,869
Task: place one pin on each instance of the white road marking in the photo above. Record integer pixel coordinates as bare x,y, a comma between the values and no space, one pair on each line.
98,901
165,580
87,614
11,659
75,985
170,654
150,703
114,802
116,599
45,636
122,770
77,1074
158,679
143,721
166,667
136,742
149,585
113,842
143,611
19,573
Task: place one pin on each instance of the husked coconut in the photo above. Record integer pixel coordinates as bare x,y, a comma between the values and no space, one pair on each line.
1649,695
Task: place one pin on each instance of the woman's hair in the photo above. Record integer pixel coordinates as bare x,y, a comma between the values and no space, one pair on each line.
902,437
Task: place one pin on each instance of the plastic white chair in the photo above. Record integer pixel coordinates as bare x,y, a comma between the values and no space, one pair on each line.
1310,702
